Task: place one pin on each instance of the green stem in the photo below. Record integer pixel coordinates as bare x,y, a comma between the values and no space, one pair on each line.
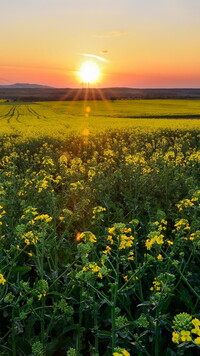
13,335
141,347
184,279
114,303
79,336
42,321
42,324
185,266
157,338
189,285
100,294
96,340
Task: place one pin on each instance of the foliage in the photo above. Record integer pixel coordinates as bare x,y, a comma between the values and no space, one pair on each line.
100,243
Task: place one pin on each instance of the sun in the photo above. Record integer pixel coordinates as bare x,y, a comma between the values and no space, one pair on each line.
89,72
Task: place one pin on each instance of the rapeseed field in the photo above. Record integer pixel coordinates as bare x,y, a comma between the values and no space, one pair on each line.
99,229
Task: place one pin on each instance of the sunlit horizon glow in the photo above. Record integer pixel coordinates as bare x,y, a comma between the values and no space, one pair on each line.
142,44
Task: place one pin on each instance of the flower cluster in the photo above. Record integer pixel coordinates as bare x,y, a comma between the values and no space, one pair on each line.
122,235
182,224
94,269
186,329
154,238
30,238
97,212
87,236
189,203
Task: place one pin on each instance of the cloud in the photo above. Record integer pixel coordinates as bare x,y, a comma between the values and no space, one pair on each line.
104,51
111,34
94,56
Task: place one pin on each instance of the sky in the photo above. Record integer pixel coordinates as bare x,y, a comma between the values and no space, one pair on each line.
146,43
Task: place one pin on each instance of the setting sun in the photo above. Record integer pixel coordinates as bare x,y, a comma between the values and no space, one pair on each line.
89,72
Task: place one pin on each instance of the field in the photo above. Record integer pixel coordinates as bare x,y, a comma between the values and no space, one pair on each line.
35,119
100,228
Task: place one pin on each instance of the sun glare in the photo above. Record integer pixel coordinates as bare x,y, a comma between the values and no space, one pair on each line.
89,72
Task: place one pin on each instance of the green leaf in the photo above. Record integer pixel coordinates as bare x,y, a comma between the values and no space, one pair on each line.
104,334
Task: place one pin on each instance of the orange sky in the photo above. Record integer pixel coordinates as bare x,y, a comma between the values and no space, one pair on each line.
146,43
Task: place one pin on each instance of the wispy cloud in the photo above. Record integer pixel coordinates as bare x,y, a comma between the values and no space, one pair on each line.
110,34
94,56
104,51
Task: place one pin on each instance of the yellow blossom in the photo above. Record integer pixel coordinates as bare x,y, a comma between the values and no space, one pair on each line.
88,236
160,257
185,335
121,353
44,217
30,238
156,285
154,237
131,256
94,268
43,294
196,322
175,337
107,250
182,224
2,279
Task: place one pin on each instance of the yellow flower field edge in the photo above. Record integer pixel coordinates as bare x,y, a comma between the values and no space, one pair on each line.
100,242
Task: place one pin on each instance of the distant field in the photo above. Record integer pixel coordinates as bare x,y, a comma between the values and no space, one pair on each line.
55,118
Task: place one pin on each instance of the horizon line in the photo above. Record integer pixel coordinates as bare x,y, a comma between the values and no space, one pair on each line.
88,88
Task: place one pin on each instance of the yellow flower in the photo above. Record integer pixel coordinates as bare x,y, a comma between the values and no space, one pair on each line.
30,238
182,224
43,217
110,239
131,256
154,237
156,285
197,340
94,268
121,353
196,331
196,322
2,279
175,337
111,230
107,250
160,257
42,295
125,353
100,275
185,335
88,236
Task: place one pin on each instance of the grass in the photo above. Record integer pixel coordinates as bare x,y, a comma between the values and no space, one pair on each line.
99,230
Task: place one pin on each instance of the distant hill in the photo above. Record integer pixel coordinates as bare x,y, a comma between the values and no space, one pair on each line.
34,92
24,86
